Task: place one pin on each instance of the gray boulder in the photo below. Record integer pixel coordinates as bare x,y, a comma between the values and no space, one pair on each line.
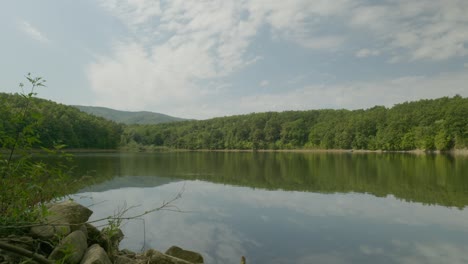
71,212
95,255
47,231
187,255
124,260
156,257
62,218
71,248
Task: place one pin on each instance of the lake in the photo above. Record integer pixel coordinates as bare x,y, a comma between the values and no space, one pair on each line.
287,207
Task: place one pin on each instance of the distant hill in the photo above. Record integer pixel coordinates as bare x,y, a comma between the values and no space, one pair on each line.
126,117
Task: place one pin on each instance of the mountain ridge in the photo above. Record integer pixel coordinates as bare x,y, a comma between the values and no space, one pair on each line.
129,117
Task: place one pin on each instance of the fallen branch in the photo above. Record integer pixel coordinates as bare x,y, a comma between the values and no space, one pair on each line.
24,252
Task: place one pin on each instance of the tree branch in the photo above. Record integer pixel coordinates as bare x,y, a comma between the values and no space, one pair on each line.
24,252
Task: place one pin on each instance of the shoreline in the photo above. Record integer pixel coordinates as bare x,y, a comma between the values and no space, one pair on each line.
357,151
350,151
463,152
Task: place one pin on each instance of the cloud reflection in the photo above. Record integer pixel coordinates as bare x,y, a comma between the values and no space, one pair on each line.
224,222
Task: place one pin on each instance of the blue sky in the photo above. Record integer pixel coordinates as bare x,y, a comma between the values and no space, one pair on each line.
201,59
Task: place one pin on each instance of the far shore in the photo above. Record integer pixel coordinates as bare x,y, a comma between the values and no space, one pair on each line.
357,151
416,151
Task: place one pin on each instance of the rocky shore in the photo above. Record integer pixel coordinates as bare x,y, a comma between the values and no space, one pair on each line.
64,236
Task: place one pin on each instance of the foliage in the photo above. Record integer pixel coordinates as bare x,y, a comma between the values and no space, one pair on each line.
26,182
438,124
57,124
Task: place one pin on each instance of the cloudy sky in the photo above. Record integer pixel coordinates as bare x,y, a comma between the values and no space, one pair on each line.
207,58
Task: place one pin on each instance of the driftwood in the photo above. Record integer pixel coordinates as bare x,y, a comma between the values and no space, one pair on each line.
24,252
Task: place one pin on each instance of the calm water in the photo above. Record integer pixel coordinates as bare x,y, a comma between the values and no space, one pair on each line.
289,207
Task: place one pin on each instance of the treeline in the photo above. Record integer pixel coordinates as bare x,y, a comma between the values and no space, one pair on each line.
438,124
55,124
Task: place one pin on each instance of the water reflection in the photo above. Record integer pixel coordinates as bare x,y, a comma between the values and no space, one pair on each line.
429,179
289,207
226,222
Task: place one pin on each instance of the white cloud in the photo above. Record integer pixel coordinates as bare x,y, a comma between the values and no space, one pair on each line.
417,30
364,53
32,32
264,83
133,12
135,77
358,94
330,43
177,45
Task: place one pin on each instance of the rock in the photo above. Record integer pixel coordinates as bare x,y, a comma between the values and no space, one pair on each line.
124,260
128,253
71,212
187,255
62,219
156,257
71,248
95,236
83,229
95,255
47,231
112,239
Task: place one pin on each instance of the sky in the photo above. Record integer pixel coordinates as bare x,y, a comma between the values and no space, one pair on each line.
207,58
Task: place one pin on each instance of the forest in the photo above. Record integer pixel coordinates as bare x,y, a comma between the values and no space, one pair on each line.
56,124
436,124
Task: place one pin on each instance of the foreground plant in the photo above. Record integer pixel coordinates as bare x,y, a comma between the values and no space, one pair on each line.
26,183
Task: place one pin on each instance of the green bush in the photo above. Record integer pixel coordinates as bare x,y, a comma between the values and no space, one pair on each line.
26,183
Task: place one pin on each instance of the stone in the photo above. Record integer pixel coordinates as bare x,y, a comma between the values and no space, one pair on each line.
124,260
112,238
71,212
156,257
83,229
187,255
47,231
95,236
71,248
128,252
95,255
62,218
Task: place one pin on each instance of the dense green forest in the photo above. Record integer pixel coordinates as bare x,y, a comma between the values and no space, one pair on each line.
126,117
438,124
57,124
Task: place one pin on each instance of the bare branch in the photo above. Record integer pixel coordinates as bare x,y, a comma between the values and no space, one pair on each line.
24,252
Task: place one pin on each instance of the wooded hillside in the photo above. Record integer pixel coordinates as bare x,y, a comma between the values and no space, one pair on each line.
440,124
58,124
